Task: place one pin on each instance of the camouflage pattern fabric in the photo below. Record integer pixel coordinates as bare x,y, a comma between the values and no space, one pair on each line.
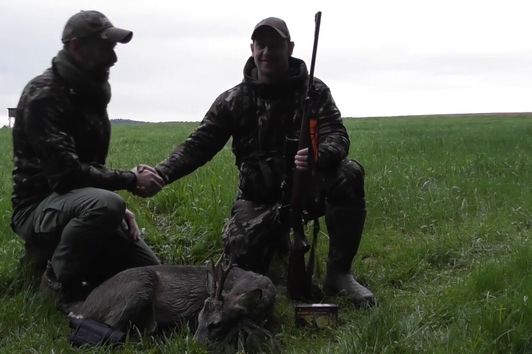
252,234
61,137
256,230
259,118
60,142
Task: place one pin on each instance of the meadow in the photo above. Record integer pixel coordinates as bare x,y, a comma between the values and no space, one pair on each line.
446,247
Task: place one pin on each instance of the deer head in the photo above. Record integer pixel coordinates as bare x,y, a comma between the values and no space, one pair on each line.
223,310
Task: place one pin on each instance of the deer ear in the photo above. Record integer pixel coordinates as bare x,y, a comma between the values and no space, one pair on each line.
248,300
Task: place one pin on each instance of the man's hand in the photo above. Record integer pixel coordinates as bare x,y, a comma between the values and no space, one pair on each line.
132,227
148,181
301,160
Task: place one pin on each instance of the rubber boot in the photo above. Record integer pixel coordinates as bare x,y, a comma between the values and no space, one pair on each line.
345,225
33,262
63,293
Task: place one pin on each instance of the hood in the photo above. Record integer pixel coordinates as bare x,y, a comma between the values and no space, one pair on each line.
297,77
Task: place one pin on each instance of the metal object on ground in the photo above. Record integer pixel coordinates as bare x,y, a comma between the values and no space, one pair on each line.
316,315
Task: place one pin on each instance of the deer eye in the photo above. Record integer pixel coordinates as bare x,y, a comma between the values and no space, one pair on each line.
213,326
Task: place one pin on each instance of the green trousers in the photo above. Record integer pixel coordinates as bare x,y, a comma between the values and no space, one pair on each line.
83,233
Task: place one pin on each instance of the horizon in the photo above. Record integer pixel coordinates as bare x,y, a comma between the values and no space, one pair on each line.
430,115
379,59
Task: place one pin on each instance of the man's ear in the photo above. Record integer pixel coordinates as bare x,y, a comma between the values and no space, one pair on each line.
74,49
251,47
290,47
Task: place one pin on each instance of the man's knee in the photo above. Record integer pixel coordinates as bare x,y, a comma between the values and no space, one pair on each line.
103,206
347,183
115,207
251,235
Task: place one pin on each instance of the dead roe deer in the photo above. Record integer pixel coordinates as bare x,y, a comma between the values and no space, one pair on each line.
212,301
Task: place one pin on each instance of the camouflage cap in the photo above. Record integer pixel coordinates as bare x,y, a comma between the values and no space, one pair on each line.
273,22
87,23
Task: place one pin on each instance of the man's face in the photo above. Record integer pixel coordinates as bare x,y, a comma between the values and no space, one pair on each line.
271,54
96,57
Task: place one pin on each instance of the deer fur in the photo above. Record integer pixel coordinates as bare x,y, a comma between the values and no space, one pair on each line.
211,301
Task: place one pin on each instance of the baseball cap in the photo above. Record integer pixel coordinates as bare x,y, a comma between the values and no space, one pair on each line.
276,23
87,23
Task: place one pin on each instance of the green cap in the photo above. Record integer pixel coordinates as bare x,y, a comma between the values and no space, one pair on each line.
273,22
88,23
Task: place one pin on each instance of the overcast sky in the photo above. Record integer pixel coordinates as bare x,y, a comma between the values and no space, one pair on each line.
378,57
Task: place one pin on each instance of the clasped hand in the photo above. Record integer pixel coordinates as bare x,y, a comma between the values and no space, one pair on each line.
149,182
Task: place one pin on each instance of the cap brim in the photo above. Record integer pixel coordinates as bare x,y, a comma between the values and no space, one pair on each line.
279,32
115,34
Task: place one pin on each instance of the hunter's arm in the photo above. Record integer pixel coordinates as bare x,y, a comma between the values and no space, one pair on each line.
201,146
333,138
45,126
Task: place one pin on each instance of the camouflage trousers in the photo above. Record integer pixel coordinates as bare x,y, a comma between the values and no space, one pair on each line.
83,233
255,230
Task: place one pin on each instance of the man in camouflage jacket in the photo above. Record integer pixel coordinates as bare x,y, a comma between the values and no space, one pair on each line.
63,204
260,114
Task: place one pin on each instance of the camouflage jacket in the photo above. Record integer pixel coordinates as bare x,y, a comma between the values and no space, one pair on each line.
259,118
60,141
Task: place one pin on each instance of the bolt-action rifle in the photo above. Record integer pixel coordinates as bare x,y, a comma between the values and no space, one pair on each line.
303,186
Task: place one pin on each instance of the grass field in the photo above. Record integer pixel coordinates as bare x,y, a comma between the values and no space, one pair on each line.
446,250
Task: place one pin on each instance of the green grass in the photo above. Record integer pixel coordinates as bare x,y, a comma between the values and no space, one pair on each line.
446,248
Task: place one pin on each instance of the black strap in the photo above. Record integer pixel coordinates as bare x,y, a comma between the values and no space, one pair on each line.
93,333
312,255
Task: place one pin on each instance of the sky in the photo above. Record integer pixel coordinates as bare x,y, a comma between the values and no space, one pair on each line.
379,57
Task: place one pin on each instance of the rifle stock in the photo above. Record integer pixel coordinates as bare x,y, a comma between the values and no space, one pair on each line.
299,283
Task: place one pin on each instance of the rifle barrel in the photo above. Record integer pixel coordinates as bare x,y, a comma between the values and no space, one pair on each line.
317,20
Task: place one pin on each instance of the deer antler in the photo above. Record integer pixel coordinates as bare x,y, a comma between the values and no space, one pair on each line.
220,271
213,272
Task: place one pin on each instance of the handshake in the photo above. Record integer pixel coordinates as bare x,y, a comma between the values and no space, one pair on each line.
149,182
